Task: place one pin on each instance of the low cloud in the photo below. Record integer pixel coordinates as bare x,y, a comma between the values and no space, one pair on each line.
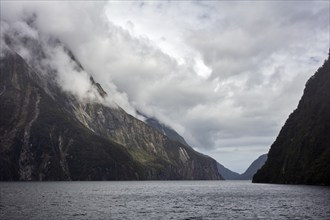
225,75
41,46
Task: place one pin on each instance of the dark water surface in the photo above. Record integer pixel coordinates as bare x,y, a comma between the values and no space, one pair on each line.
162,200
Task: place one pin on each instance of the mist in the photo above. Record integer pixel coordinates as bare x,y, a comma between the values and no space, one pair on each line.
225,76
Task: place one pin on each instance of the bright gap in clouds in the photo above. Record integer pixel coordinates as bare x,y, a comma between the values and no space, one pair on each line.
157,23
225,75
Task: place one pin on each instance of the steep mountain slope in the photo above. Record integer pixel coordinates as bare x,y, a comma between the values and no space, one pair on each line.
166,159
253,168
41,141
169,132
301,152
47,134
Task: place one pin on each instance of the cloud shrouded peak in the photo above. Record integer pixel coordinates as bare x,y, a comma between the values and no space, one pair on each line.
225,75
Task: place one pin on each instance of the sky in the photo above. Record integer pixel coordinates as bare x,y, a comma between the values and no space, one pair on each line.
224,74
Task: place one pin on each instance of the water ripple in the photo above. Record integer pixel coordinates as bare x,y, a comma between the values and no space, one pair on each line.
162,200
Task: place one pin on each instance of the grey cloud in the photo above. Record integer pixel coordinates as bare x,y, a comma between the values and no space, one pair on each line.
145,57
260,29
47,22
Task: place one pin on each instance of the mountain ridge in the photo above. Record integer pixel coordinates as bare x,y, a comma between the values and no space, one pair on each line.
26,153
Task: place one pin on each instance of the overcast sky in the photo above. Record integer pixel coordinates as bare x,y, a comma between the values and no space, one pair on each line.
224,74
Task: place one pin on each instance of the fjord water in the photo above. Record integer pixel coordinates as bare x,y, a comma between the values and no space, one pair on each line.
162,200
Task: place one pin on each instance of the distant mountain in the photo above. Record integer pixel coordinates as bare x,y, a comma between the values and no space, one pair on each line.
301,151
49,134
254,167
226,173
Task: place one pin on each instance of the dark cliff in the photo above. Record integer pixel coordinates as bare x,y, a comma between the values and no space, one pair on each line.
301,152
47,134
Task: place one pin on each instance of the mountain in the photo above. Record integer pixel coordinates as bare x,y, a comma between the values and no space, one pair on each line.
226,173
166,130
41,140
253,168
49,134
301,151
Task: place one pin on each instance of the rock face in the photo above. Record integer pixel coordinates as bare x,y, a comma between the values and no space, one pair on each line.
253,168
301,152
48,134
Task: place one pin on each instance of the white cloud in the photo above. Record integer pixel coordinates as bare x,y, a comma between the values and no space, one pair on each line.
224,74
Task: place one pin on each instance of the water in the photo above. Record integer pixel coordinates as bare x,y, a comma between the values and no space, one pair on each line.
162,200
